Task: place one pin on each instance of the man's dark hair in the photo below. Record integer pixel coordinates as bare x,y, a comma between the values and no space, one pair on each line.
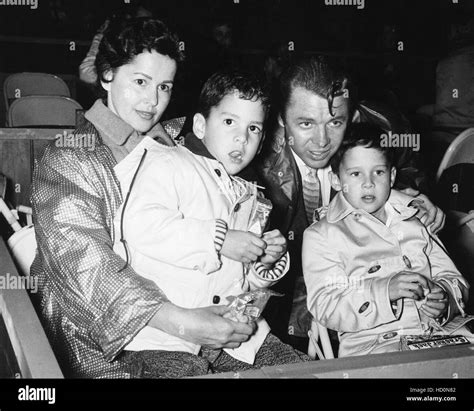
318,74
225,82
362,135
125,39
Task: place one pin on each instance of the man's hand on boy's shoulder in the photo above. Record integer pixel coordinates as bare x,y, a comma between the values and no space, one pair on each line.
428,213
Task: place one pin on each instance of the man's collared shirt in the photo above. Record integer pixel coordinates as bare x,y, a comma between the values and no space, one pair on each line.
323,176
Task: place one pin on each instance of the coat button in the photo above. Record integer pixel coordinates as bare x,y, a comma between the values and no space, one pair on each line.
364,307
237,207
216,299
218,172
389,335
374,269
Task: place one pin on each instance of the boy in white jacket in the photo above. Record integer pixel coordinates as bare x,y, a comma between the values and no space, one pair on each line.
372,270
185,220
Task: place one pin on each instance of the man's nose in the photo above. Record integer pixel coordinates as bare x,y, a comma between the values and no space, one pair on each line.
320,137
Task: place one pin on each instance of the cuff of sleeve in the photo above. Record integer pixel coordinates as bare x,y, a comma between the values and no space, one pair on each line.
280,268
221,231
111,332
379,290
455,301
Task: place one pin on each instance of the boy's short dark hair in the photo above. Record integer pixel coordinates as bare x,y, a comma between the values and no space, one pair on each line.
225,82
362,135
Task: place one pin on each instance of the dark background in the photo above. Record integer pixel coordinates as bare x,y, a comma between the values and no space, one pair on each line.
38,40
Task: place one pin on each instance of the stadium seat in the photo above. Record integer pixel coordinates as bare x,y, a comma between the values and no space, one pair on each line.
461,150
27,84
41,111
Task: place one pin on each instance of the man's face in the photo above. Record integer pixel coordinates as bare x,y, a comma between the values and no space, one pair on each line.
232,132
311,131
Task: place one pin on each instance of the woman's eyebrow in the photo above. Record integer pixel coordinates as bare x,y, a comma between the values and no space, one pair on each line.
143,74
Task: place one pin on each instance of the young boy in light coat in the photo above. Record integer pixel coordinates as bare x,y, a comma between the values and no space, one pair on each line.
372,270
185,222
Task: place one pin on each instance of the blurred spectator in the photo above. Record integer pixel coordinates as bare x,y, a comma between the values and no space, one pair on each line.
453,110
454,107
277,59
87,70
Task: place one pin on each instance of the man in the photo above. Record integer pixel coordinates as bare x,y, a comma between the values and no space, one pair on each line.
317,102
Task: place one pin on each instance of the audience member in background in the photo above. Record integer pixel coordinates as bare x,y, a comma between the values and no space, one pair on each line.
317,102
453,110
454,107
87,70
372,271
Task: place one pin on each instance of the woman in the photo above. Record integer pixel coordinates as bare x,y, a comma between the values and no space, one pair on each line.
92,303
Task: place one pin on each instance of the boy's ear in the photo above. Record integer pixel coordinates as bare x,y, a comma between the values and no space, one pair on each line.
109,76
280,121
356,116
335,182
199,125
393,176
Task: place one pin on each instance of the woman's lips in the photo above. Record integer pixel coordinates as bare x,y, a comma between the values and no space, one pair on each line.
146,115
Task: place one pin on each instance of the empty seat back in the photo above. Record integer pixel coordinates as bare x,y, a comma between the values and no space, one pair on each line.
41,111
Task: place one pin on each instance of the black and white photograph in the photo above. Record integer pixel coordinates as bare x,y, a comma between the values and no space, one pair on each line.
266,197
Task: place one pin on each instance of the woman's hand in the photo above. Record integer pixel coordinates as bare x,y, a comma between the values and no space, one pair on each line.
203,326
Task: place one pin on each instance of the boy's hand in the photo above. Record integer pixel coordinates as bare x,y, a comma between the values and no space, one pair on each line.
242,246
407,284
276,247
436,303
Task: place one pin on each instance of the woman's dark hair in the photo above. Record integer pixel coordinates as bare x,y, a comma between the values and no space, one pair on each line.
319,74
363,135
225,82
125,39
